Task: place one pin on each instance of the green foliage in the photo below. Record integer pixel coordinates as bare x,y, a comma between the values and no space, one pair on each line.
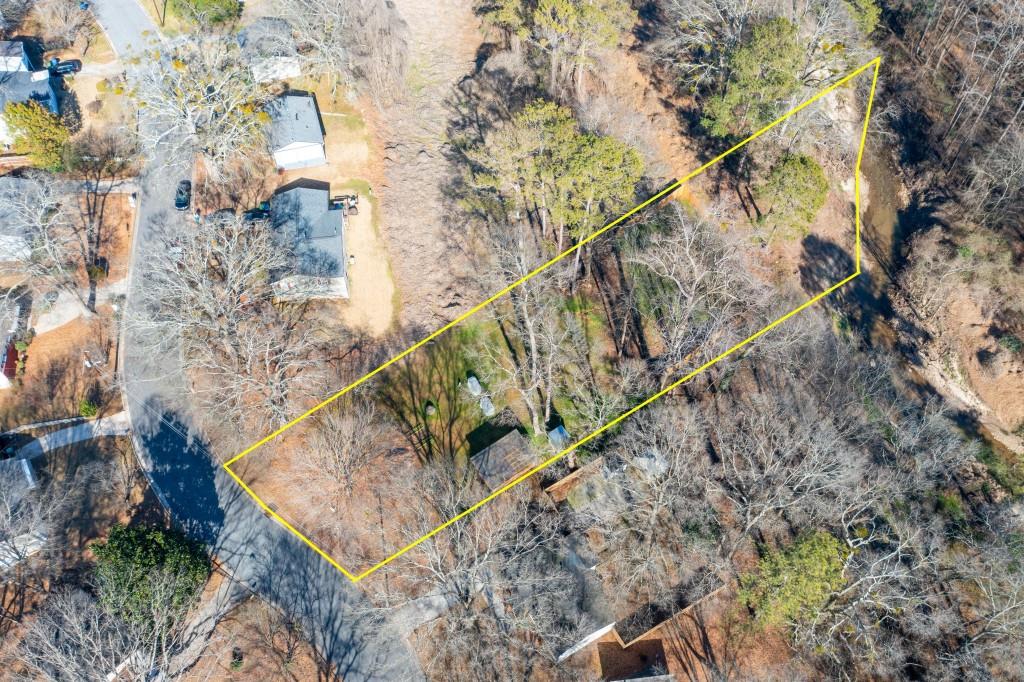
87,408
795,190
37,132
793,583
207,11
1011,343
865,13
595,23
542,161
1008,470
508,15
949,505
132,556
763,73
570,26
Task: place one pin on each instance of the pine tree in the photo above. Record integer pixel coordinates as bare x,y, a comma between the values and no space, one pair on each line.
38,133
794,191
794,583
763,74
541,163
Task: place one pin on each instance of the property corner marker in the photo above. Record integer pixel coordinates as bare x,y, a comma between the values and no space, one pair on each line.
874,65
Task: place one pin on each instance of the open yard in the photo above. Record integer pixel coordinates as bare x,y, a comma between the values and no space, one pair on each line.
56,378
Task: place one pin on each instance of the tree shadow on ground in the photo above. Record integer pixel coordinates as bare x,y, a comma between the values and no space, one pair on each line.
423,393
342,625
864,305
182,471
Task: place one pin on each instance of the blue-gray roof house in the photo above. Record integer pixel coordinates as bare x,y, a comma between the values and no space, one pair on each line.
312,232
19,83
296,137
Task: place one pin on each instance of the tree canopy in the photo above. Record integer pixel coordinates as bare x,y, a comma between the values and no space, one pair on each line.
543,164
794,191
865,13
208,11
763,73
38,133
568,31
797,581
128,560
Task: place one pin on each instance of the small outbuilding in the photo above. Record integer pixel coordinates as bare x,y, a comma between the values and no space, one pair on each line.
296,134
505,460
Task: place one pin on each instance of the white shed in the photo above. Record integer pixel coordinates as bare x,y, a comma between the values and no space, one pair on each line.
296,137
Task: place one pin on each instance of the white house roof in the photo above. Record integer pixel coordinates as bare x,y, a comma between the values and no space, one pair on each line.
12,56
294,120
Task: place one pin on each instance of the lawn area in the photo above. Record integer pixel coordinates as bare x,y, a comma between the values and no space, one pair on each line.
56,379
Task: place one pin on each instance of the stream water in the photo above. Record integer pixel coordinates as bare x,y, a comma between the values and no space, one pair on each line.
886,229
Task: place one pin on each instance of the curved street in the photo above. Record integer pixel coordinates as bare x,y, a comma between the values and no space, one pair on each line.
337,617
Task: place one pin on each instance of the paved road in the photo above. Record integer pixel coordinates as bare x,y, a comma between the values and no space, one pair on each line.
203,499
127,25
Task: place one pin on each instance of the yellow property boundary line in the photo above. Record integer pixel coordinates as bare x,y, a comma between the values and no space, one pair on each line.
874,63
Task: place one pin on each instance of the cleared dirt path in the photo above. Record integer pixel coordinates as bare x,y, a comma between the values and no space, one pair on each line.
443,37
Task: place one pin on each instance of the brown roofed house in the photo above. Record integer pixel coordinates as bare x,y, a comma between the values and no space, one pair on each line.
505,460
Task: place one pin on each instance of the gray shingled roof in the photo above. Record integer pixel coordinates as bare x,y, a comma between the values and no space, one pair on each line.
314,233
18,86
12,48
295,119
10,187
504,459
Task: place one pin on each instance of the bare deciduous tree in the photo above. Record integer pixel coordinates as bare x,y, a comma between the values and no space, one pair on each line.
39,208
658,525
498,574
324,30
73,637
345,437
208,287
198,97
780,459
65,21
30,518
65,222
77,636
698,290
203,280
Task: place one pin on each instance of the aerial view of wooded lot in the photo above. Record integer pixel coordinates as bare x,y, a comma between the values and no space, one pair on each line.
216,215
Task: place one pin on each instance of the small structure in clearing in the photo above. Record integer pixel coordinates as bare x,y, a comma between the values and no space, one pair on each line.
296,134
504,460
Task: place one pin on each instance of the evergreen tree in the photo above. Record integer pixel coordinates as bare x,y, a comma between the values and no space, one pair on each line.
128,562
542,164
571,30
763,74
865,13
38,133
794,583
794,191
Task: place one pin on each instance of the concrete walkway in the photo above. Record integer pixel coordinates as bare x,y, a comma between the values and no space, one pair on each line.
68,308
114,425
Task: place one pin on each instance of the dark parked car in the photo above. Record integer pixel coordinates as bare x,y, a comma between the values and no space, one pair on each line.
183,195
63,68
